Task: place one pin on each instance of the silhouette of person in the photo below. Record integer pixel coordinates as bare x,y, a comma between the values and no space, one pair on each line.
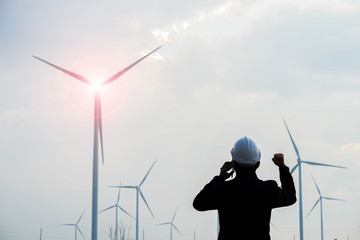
245,202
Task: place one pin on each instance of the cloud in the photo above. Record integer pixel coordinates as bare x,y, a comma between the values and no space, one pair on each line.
202,15
161,36
351,147
241,17
156,56
219,10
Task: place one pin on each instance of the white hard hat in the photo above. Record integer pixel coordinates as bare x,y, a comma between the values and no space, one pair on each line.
246,152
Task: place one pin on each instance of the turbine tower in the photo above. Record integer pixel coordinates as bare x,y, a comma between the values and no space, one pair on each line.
97,131
172,226
321,208
117,206
76,226
299,161
138,191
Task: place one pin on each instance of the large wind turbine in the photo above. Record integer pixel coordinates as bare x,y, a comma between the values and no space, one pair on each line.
172,226
299,161
117,206
97,130
321,208
76,226
138,190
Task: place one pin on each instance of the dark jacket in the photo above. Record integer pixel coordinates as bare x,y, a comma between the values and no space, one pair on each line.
245,203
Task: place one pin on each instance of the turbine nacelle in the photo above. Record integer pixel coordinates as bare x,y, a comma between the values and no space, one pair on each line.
96,86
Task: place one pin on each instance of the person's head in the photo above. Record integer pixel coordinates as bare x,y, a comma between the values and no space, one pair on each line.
245,154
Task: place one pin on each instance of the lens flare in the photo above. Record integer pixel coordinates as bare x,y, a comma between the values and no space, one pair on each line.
97,68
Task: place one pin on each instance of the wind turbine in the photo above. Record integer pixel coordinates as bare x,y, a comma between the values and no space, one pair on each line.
321,208
138,190
172,226
76,226
117,206
97,130
299,161
273,225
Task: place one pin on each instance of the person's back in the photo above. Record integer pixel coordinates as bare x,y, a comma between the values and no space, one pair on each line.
245,202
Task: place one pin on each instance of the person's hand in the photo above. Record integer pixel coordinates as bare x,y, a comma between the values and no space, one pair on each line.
278,159
225,168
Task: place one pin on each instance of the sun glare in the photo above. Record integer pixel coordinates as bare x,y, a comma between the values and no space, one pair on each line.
96,85
97,69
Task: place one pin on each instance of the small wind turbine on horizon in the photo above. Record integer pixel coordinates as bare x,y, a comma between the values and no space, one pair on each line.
138,191
172,225
117,206
97,131
298,165
76,226
321,208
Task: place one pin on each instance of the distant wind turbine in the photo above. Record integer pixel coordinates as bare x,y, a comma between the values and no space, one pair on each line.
76,226
299,161
97,130
321,208
273,225
218,223
117,206
138,190
172,226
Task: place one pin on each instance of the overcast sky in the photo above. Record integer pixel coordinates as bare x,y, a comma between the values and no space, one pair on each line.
228,69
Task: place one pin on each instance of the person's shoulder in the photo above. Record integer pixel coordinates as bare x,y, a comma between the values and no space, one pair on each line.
271,183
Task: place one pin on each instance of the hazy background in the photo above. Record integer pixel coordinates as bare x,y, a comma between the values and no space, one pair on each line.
227,69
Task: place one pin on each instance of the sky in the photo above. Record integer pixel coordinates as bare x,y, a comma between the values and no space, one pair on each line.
227,69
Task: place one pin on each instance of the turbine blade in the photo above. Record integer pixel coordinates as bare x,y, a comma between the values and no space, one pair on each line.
336,199
273,226
293,169
316,185
176,229
147,173
126,212
98,99
163,223
142,196
292,140
80,217
313,206
174,215
123,186
322,164
80,231
68,224
77,76
118,197
107,208
117,75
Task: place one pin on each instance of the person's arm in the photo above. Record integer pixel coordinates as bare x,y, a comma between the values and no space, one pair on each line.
286,195
209,196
